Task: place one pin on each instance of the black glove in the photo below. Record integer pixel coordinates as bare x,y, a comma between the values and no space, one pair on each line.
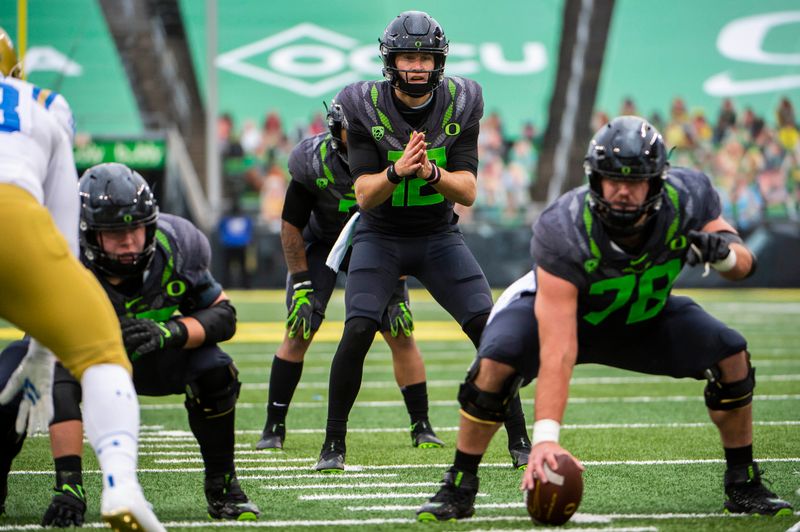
399,312
707,247
302,307
143,336
67,508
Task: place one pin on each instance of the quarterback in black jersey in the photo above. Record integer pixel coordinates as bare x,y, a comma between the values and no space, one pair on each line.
606,256
412,150
319,202
173,313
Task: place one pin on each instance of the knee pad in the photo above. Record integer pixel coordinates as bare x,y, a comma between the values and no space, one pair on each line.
729,395
66,396
487,407
214,393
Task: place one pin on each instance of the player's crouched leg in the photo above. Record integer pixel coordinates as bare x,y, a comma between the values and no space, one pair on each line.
211,404
729,402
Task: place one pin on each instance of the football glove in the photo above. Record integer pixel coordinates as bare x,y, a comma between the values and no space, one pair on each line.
34,377
67,507
707,247
143,336
302,306
399,312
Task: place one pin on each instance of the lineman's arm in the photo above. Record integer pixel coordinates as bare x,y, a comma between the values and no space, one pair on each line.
556,313
196,333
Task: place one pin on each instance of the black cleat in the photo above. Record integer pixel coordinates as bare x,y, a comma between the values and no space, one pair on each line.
520,451
422,436
331,458
747,495
226,500
272,437
454,500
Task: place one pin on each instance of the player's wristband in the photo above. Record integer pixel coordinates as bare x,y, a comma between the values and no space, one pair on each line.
301,280
435,176
391,175
726,264
546,430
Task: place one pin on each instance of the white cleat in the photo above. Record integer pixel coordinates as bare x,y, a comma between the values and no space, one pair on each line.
125,509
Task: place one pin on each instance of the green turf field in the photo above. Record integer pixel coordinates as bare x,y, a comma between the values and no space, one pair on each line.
653,457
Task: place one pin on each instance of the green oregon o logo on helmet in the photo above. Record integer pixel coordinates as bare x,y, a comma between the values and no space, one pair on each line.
626,170
127,218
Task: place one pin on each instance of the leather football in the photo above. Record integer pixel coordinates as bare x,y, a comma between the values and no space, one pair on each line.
554,503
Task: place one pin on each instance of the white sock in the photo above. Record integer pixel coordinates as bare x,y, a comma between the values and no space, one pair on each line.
111,421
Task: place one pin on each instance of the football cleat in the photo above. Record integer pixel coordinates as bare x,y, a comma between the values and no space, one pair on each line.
226,500
520,451
454,500
422,436
272,437
331,458
124,508
67,507
747,495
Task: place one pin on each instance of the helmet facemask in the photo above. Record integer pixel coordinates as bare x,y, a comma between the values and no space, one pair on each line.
627,149
337,126
115,198
414,32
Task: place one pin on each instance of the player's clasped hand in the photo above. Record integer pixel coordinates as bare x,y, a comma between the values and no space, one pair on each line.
414,158
143,336
706,247
301,309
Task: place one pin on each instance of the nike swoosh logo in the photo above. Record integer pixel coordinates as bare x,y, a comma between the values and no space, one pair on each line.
129,304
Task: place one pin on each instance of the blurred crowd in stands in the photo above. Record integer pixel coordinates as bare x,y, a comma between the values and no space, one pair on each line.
753,160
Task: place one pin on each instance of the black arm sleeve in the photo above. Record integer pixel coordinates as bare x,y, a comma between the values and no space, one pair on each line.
463,155
363,155
298,204
218,321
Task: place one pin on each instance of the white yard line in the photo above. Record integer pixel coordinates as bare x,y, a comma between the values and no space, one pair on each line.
579,381
572,400
360,485
187,436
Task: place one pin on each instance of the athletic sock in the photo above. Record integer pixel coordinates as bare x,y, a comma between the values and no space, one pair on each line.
416,399
467,462
216,439
283,379
111,421
738,456
515,423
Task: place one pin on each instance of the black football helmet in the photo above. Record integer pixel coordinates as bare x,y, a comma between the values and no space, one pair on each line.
114,197
413,31
627,148
336,122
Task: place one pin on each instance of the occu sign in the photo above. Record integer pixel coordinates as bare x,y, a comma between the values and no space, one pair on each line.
317,60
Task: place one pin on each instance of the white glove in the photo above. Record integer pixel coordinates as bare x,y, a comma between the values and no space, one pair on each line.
34,376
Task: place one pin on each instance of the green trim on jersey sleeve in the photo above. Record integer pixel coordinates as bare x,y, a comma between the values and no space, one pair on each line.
384,119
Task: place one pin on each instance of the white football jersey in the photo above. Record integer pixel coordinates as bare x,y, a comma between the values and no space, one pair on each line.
36,153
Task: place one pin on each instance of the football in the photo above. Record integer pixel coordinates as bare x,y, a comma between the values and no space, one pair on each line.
555,502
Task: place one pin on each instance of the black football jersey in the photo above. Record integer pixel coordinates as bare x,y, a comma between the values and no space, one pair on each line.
614,286
178,279
316,166
415,208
